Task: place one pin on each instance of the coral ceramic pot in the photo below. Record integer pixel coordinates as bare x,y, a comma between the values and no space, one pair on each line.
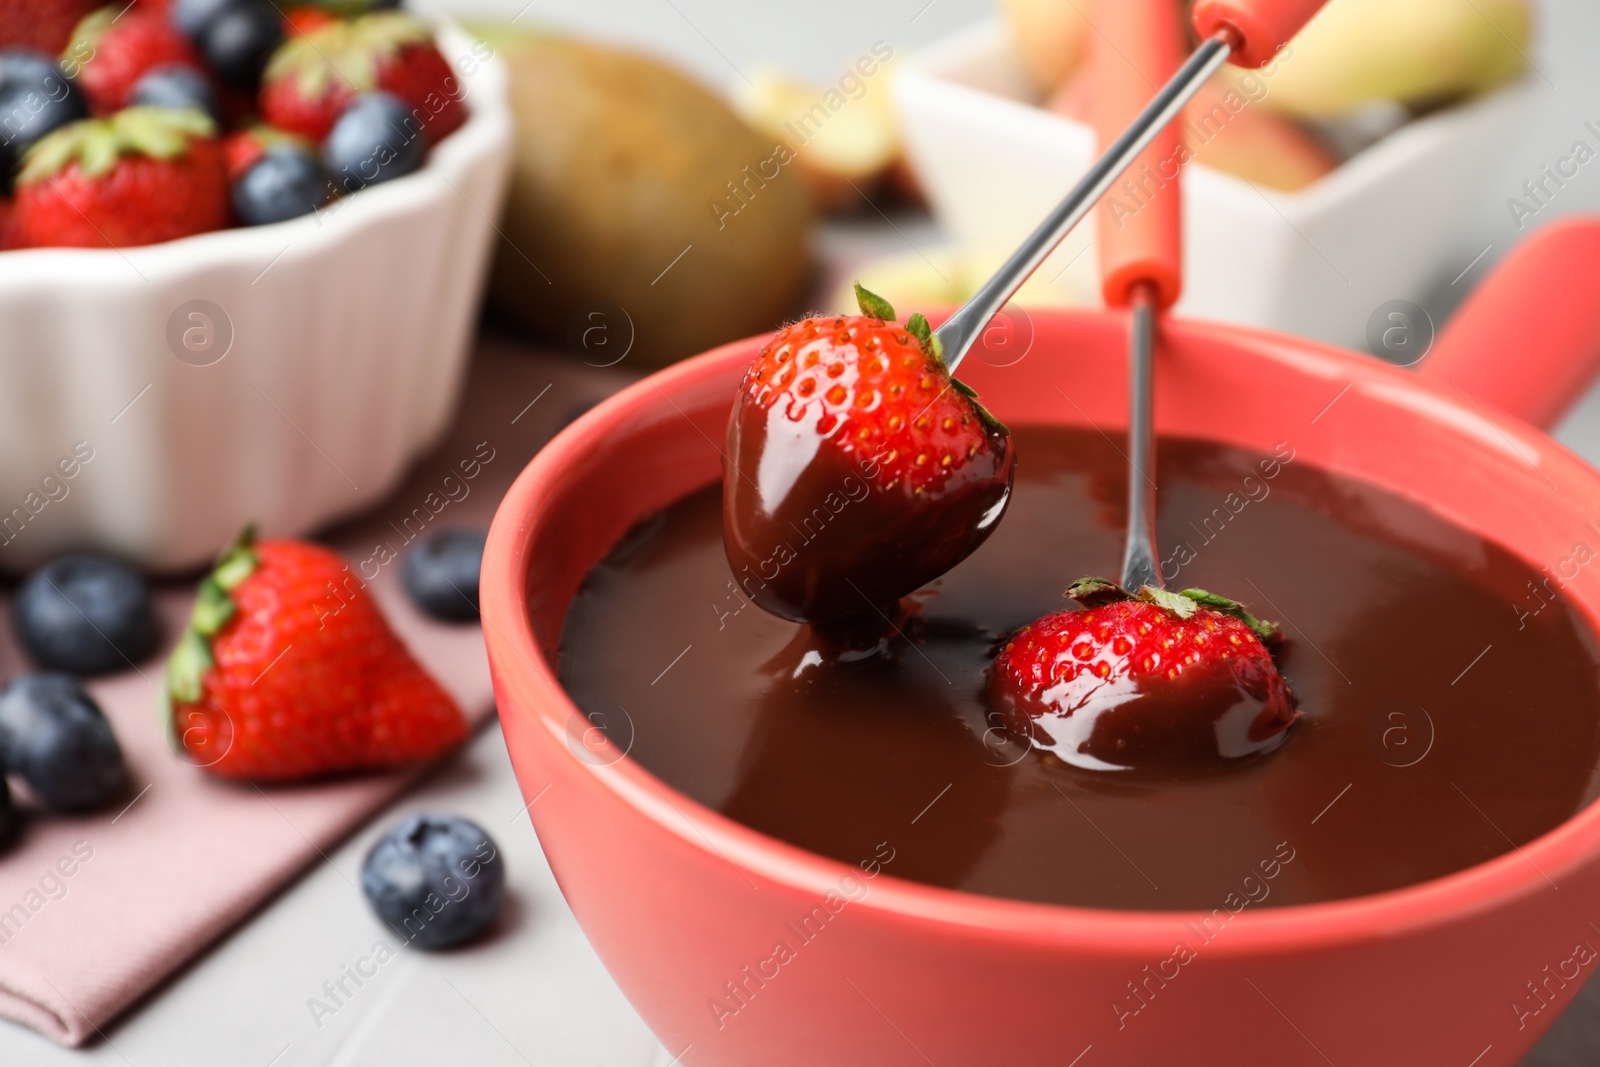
685,907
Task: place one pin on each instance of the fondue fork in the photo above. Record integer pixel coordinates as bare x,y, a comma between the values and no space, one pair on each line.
1139,42
1249,32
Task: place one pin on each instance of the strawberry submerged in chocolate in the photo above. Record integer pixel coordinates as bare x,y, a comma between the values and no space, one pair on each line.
857,468
1151,681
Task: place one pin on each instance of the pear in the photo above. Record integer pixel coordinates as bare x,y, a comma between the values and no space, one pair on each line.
1418,53
645,220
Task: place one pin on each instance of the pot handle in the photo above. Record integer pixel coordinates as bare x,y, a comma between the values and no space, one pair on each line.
1255,28
1528,338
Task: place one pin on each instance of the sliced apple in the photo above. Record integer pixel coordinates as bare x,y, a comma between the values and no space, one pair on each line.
945,277
1226,130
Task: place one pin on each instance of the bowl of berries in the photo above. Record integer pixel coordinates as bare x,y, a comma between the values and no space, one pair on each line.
240,256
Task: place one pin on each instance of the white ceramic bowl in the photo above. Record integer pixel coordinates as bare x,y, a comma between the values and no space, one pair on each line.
328,351
1317,262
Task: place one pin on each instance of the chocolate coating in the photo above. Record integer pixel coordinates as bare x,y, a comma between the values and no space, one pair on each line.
816,531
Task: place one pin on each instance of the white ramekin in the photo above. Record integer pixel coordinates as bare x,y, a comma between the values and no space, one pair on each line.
1318,262
328,351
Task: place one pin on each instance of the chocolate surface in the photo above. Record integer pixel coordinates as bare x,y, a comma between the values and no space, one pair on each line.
1445,719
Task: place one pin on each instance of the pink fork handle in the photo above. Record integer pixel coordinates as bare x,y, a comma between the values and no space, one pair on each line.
1138,44
1528,338
1256,28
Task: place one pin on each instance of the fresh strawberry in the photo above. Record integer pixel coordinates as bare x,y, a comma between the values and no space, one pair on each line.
857,469
240,150
9,237
112,48
144,175
41,25
1154,681
243,148
299,21
288,670
313,77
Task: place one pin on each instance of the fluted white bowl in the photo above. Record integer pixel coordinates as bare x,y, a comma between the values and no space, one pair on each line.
154,399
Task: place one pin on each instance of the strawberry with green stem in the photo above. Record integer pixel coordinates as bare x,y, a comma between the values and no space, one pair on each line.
1149,681
857,469
315,75
115,46
144,175
287,670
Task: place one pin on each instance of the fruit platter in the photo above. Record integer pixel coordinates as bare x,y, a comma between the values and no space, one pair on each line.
512,562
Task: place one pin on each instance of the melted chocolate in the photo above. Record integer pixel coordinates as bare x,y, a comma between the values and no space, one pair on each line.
1443,719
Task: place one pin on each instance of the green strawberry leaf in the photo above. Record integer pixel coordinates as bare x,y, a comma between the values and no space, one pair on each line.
86,35
238,560
95,145
994,424
874,305
213,608
917,326
1094,592
1180,605
1267,631
347,53
187,667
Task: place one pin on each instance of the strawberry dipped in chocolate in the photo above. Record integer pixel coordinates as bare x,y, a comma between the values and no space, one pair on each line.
857,469
1151,681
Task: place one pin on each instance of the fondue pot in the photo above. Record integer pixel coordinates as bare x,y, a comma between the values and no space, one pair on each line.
685,907
740,949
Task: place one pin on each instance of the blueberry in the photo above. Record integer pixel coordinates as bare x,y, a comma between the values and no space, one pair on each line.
376,139
24,66
56,738
238,39
437,880
175,85
284,183
86,615
35,98
191,16
441,574
8,814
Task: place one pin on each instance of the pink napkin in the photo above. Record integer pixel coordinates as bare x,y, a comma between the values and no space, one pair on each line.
96,910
